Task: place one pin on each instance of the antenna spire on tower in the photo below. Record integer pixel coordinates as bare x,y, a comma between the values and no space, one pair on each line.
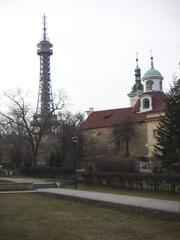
44,28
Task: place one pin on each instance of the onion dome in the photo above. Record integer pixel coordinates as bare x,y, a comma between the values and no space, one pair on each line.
152,73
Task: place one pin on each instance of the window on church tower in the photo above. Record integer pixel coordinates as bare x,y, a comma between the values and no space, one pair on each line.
146,103
149,85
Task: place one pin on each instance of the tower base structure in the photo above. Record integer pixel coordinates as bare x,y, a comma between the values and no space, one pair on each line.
49,144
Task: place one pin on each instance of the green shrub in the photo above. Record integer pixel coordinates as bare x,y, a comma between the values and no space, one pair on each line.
149,182
56,159
46,172
114,165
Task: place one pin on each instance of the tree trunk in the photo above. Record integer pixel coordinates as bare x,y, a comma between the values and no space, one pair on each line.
34,160
127,148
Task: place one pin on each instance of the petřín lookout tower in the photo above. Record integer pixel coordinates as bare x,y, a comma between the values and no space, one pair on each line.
45,106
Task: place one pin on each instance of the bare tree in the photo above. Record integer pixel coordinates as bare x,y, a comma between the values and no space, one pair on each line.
20,120
123,132
69,126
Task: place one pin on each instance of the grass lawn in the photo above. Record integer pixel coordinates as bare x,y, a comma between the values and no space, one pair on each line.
36,217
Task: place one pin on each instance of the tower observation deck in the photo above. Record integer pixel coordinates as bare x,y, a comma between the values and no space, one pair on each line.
45,106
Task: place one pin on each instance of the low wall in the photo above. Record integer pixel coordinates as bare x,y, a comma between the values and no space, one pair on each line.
11,186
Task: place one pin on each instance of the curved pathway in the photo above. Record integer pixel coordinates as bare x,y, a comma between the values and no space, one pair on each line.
156,204
116,199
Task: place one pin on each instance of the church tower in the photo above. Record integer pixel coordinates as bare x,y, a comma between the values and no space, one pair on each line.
152,79
137,89
153,89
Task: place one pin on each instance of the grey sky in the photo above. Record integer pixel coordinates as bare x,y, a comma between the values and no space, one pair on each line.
95,42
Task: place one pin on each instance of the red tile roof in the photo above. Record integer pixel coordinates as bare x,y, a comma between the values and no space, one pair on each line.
108,118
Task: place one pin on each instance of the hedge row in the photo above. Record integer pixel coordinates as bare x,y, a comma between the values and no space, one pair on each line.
151,182
47,172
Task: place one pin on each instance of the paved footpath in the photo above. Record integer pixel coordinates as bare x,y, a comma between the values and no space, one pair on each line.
148,203
156,204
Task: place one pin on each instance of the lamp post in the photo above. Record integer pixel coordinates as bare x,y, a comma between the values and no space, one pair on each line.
75,141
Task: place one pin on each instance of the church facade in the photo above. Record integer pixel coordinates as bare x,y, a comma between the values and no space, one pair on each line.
147,104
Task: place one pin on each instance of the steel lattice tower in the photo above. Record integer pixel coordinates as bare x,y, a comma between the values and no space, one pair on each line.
45,104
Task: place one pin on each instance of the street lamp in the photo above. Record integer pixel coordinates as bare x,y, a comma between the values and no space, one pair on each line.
75,141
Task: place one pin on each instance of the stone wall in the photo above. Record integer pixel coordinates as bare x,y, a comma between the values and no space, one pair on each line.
12,186
99,145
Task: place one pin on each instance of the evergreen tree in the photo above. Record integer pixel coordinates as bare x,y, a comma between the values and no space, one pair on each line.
167,149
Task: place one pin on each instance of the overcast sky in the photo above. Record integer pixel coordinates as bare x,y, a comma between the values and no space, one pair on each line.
94,44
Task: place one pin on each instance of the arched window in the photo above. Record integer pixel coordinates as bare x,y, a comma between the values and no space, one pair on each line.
146,103
149,85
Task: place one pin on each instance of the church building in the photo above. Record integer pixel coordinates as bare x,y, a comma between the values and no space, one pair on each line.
147,104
